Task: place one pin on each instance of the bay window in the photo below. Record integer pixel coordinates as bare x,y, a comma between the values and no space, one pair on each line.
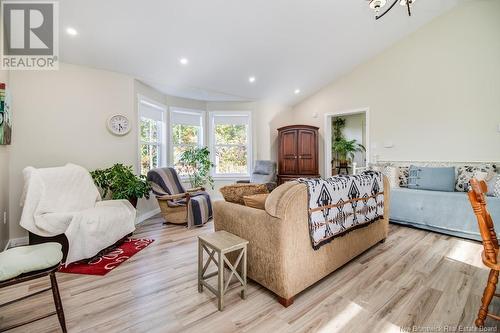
186,128
151,136
230,134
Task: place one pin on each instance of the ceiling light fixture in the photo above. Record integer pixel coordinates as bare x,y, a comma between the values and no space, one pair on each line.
71,31
377,5
297,91
251,79
184,61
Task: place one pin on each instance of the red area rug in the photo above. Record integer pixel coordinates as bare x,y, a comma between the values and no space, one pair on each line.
106,262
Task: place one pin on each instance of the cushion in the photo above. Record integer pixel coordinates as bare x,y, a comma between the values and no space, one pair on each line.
391,172
256,201
261,179
235,193
465,173
25,259
494,186
264,167
431,178
403,176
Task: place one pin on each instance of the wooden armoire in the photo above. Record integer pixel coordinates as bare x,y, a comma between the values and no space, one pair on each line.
297,152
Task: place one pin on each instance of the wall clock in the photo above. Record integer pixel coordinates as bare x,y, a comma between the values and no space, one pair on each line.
118,124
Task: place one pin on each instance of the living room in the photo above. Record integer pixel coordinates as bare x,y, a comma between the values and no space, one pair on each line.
186,125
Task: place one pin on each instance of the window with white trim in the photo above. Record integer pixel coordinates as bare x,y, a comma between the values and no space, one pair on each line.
231,143
186,128
151,136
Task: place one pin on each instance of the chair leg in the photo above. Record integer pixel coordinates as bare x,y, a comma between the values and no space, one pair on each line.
489,291
57,301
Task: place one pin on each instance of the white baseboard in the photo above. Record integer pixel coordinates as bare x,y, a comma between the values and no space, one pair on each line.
147,215
14,242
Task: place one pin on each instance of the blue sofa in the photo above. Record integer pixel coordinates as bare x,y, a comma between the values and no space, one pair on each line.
445,212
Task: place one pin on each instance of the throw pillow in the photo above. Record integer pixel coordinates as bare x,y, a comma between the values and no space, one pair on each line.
256,201
494,187
465,173
404,172
235,193
432,178
484,175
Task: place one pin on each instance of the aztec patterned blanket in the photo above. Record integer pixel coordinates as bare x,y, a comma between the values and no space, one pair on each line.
343,203
165,181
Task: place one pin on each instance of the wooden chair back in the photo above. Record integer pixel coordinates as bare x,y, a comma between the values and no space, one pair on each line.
477,198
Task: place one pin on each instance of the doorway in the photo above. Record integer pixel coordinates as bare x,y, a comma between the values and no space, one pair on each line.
346,141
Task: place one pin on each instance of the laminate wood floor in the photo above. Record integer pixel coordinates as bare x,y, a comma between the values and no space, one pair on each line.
416,278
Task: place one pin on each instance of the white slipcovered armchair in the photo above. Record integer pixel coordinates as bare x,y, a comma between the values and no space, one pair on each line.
64,201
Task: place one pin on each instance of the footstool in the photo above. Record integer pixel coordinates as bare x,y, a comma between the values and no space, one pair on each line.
217,245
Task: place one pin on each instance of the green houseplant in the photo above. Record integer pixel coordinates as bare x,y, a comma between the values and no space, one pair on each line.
346,150
120,182
338,124
195,161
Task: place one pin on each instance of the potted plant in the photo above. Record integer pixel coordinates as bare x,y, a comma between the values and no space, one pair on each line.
120,182
346,150
195,161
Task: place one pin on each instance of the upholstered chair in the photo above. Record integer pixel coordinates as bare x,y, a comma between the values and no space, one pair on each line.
264,172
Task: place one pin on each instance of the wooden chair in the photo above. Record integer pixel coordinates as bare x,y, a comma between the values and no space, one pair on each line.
51,273
174,208
174,200
489,255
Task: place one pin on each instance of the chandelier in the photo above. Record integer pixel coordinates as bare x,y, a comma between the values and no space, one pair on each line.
377,5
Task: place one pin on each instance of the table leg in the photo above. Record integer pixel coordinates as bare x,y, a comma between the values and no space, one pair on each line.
200,267
220,276
244,274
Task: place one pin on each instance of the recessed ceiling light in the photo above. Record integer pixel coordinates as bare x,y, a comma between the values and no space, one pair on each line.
184,61
71,31
297,91
251,79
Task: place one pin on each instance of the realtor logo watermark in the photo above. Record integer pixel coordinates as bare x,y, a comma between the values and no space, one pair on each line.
30,35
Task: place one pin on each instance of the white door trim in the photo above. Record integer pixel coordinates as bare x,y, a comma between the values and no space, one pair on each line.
328,135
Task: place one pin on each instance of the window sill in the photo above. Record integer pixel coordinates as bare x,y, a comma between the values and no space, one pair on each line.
231,177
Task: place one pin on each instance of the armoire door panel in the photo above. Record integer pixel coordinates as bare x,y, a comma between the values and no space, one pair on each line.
297,152
307,159
288,152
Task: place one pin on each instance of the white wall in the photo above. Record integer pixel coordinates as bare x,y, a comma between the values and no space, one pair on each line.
4,180
60,117
269,117
435,94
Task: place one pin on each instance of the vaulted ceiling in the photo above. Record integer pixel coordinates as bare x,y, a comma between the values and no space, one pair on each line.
285,44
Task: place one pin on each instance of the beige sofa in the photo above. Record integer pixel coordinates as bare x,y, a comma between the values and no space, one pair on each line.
280,255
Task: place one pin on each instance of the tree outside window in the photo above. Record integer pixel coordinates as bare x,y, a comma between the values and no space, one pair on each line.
231,143
186,127
150,136
231,149
184,137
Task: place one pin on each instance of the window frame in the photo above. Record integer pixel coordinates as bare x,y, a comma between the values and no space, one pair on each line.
249,145
162,135
201,137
